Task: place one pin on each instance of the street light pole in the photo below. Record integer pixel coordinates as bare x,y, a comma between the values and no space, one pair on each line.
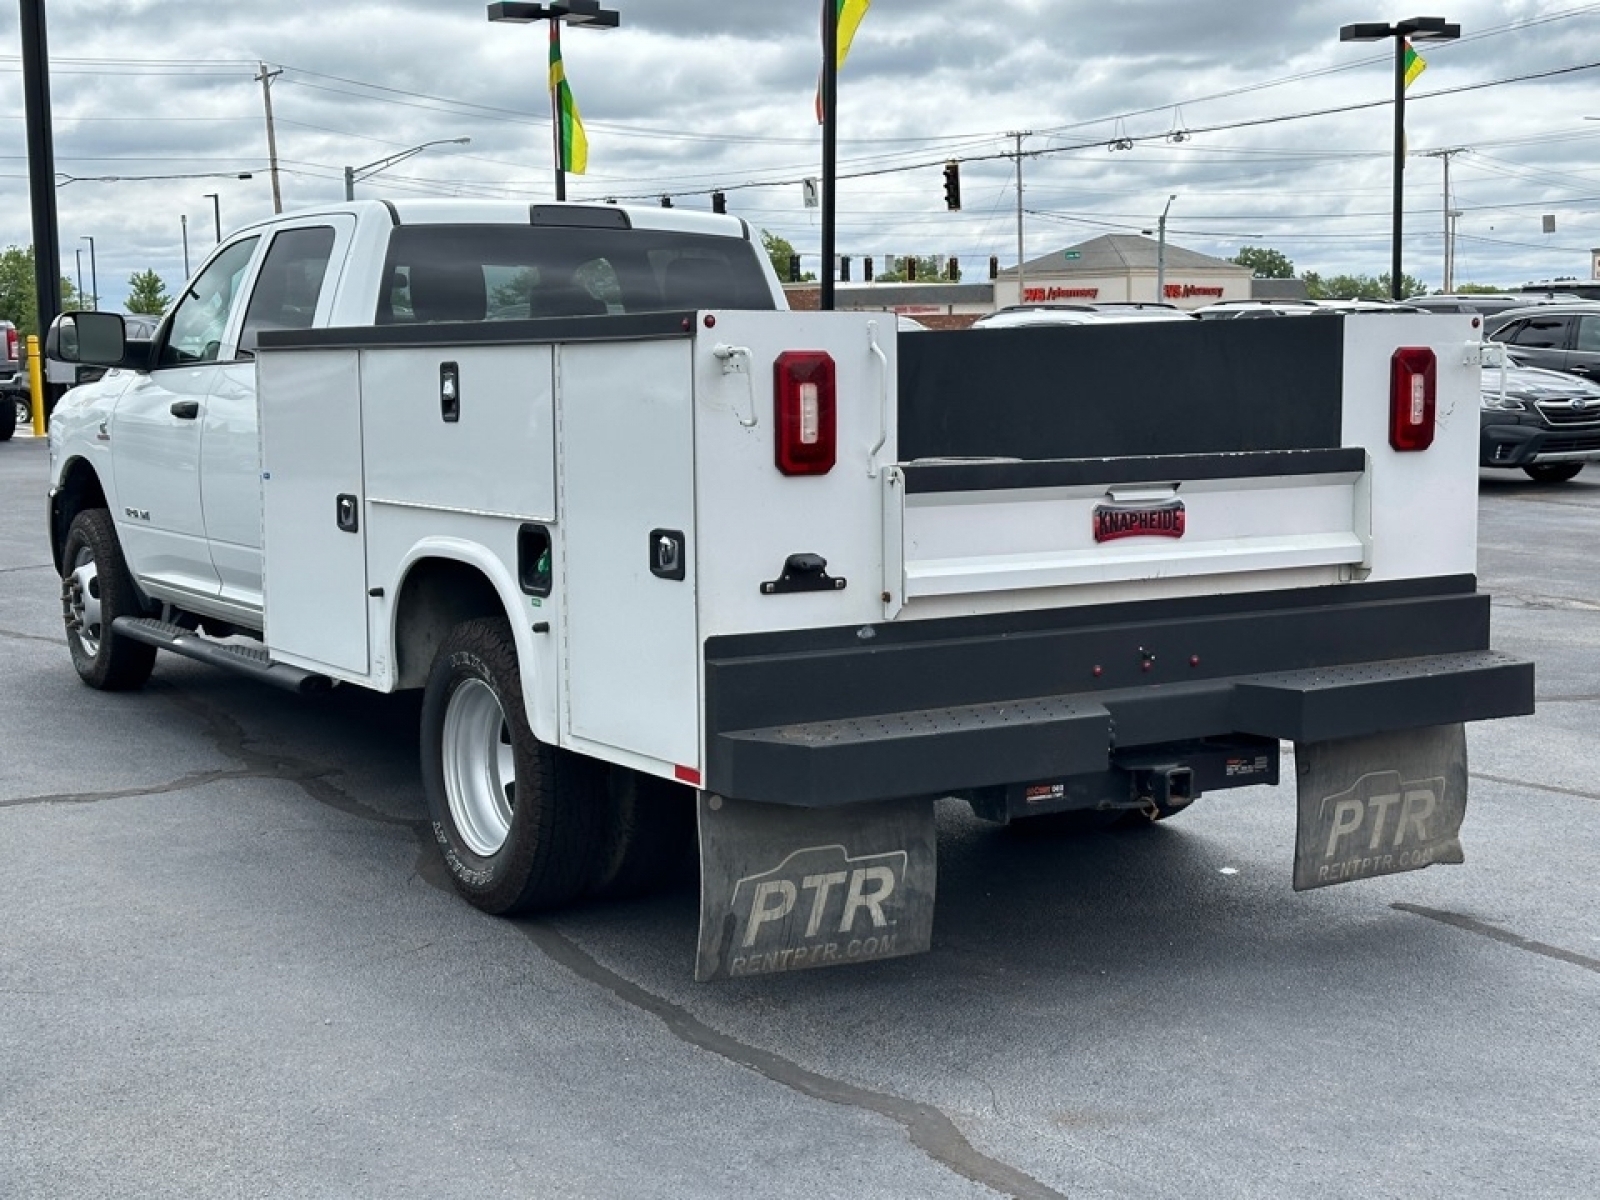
79,253
570,12
185,219
216,212
1161,252
94,275
1419,29
352,175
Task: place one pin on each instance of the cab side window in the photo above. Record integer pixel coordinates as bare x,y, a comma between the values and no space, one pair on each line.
1588,334
195,334
290,283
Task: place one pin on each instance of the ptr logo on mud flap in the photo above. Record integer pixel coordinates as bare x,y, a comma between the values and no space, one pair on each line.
1380,825
818,906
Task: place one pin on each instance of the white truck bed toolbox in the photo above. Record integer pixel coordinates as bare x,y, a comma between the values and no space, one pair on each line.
827,717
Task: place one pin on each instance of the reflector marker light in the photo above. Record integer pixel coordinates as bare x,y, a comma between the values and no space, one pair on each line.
805,413
1413,394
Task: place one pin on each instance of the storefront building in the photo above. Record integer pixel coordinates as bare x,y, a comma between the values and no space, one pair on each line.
1124,268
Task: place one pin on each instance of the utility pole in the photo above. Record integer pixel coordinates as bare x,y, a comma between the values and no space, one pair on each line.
185,219
1020,269
265,80
830,146
1161,253
1444,157
41,163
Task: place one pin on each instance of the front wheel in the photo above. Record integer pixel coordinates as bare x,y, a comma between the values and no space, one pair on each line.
1553,472
96,589
518,822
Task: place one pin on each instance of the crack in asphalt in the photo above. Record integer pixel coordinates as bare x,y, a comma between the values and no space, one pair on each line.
29,567
1548,603
929,1129
1504,936
1537,787
19,636
230,739
183,783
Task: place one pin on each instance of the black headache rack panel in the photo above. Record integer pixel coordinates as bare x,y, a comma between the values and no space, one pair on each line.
824,717
1113,391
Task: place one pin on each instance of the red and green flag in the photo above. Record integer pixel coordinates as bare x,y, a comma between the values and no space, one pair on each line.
848,14
572,144
1415,64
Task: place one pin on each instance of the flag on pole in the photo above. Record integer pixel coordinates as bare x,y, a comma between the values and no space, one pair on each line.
572,144
1415,64
848,14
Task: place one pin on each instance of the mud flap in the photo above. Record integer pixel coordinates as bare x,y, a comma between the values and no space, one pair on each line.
788,889
1379,805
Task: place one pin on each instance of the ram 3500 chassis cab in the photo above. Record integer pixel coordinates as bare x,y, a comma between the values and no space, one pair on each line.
654,548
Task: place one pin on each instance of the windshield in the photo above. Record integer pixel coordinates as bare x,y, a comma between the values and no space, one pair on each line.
501,273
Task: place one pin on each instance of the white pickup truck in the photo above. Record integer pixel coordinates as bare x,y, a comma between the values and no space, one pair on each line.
657,549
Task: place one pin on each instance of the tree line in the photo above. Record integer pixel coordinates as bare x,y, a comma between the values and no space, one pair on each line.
19,301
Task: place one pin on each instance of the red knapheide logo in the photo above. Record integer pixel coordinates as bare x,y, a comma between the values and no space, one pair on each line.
1114,521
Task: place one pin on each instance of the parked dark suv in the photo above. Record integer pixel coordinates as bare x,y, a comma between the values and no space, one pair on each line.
1557,337
1545,423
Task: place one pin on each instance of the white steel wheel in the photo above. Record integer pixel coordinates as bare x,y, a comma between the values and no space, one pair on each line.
480,770
95,591
517,822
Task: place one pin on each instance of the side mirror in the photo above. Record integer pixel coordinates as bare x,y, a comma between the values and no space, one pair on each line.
97,339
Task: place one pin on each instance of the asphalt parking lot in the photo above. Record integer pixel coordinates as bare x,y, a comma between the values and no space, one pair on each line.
229,967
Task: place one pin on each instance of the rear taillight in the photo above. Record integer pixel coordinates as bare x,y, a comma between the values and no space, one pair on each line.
1413,386
11,344
805,412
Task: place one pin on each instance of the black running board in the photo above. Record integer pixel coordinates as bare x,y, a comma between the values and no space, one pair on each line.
247,660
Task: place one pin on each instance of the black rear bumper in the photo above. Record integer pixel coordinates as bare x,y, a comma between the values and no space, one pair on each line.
837,716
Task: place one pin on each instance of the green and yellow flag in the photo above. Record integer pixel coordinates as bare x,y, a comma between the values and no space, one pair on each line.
848,14
1415,64
572,144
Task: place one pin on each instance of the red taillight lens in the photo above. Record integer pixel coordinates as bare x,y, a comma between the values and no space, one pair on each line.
1413,387
11,344
805,412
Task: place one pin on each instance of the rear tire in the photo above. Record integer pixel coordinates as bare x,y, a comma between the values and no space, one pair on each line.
96,589
1553,472
649,832
518,822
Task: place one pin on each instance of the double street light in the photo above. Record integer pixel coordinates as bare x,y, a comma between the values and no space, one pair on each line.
568,12
1414,29
353,174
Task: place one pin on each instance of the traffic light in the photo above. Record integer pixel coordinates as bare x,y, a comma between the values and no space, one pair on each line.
952,186
794,268
719,202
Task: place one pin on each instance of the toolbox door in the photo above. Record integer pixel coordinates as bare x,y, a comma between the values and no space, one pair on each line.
626,557
313,510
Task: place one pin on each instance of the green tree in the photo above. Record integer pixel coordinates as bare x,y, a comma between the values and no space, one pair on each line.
147,294
1264,262
1477,289
780,251
929,270
1359,287
19,297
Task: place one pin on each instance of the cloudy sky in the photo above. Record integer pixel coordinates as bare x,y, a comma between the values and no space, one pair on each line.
1285,132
